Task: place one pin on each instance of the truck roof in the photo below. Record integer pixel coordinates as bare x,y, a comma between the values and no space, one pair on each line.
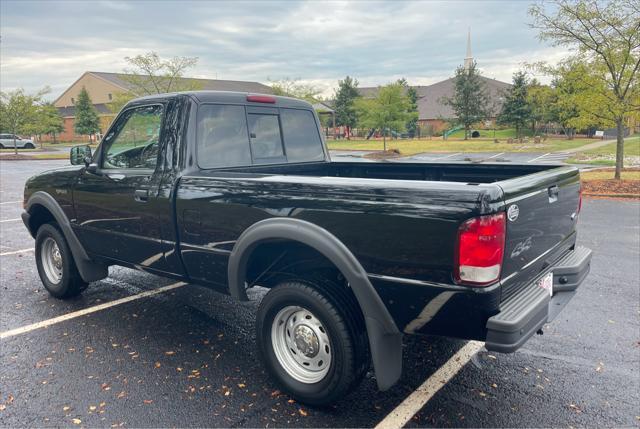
234,97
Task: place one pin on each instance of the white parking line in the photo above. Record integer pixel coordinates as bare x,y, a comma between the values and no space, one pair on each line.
11,202
10,220
14,252
414,402
448,156
89,310
538,157
496,155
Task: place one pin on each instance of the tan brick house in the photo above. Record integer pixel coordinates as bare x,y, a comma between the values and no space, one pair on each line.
103,88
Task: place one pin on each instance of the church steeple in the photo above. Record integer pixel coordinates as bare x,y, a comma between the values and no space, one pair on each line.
468,60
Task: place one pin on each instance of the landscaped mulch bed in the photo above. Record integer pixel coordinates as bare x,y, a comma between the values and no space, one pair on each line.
612,187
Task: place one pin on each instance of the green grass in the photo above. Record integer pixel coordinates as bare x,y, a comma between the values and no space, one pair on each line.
608,174
489,134
411,147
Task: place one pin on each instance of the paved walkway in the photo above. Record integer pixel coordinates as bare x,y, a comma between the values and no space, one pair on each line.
594,145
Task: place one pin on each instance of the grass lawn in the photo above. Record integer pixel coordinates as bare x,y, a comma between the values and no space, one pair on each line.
489,134
587,176
411,147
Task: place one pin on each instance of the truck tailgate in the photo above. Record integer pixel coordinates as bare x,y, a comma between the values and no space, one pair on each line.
542,211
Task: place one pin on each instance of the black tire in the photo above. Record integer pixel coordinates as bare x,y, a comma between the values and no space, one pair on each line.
335,307
70,284
29,146
2,146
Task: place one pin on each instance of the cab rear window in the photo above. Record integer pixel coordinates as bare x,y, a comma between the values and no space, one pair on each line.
233,136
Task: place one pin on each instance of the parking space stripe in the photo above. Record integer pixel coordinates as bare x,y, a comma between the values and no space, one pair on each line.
11,202
448,156
496,155
10,220
539,157
89,310
15,252
414,402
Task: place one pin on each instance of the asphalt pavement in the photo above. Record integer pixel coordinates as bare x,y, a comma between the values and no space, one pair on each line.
187,357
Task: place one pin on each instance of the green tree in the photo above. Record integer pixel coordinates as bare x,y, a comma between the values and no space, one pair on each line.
344,106
606,36
541,99
46,120
411,93
86,121
18,111
388,111
470,100
52,122
516,110
149,74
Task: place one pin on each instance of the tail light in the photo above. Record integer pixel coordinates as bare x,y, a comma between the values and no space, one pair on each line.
261,99
479,251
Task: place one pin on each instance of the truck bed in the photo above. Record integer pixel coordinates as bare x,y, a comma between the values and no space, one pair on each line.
439,172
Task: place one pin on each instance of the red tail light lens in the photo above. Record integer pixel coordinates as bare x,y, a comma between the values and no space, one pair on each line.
261,99
480,250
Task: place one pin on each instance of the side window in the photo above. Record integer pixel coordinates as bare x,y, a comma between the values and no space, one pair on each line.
266,141
301,136
222,136
134,140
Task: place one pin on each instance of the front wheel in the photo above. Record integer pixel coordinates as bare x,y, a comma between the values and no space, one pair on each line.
29,146
56,267
312,340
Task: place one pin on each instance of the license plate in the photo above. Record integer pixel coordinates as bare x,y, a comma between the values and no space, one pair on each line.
547,283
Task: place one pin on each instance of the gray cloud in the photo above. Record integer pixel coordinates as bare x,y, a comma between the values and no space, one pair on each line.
52,43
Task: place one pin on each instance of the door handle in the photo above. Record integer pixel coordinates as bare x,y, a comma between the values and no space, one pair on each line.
141,195
116,177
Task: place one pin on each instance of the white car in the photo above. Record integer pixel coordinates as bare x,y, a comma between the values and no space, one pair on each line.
6,142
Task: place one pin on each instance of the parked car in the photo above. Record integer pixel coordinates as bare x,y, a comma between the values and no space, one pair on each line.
7,142
235,190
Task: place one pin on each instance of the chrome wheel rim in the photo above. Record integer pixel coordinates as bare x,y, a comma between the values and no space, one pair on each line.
51,260
301,344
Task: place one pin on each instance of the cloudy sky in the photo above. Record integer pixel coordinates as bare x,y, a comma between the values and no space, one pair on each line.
53,43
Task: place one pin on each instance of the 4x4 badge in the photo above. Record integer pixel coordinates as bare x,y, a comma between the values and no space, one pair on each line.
513,212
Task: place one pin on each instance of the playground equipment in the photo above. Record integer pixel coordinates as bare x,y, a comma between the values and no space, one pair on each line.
450,131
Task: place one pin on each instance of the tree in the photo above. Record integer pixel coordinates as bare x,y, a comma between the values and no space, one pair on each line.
411,93
294,88
18,111
52,122
470,100
607,37
150,74
541,99
87,121
344,107
516,110
389,110
46,120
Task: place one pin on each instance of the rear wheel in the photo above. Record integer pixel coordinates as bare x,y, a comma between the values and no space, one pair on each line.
312,340
29,146
56,267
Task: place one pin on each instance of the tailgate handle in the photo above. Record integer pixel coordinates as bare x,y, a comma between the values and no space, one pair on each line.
141,195
553,193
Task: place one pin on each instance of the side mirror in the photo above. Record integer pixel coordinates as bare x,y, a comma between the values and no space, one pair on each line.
80,155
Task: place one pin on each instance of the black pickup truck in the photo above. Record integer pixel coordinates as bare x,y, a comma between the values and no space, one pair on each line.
235,190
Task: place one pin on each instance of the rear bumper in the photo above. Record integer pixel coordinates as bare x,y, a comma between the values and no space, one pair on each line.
523,314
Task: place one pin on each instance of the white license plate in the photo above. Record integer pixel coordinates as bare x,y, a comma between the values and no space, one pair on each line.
547,283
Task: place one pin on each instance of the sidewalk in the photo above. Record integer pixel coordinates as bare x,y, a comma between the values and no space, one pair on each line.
594,145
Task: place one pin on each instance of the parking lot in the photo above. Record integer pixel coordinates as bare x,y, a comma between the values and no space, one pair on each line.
185,356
